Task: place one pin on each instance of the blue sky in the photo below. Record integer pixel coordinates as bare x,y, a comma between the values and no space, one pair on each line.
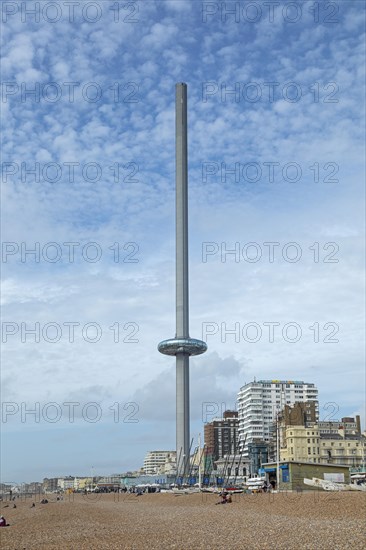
276,135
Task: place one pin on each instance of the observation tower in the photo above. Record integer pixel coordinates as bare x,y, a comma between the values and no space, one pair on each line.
182,346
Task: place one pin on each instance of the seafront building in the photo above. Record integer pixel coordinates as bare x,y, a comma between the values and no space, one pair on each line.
231,466
346,426
66,483
346,446
50,485
83,483
156,461
222,435
337,442
300,415
260,402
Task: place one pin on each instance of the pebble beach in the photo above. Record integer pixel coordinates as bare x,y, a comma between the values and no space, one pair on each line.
310,520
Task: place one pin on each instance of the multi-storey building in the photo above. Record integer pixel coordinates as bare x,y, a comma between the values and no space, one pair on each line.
346,426
302,413
260,402
300,444
33,487
222,436
82,483
336,442
341,442
300,416
349,451
155,461
66,483
50,485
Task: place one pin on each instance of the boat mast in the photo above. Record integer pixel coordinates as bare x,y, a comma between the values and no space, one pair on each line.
278,452
199,462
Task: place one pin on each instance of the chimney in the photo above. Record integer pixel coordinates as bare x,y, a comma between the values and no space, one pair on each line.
358,424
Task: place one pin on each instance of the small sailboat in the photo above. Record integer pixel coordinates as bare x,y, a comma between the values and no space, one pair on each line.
332,485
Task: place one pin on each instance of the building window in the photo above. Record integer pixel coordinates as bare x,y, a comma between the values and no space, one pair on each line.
309,451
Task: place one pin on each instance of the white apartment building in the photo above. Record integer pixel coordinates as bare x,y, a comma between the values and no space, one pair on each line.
260,401
66,483
156,460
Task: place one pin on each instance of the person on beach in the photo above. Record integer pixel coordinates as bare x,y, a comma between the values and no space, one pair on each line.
3,522
223,499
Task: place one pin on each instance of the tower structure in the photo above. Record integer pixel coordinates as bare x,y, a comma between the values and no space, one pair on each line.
182,346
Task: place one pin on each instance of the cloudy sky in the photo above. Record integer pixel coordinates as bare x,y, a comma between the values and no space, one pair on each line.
276,172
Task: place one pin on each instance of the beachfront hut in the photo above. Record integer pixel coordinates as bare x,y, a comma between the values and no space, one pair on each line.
292,474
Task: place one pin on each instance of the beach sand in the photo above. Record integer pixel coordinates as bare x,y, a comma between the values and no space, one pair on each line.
306,521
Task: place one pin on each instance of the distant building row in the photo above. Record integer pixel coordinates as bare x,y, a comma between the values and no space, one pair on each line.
159,462
275,419
284,415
